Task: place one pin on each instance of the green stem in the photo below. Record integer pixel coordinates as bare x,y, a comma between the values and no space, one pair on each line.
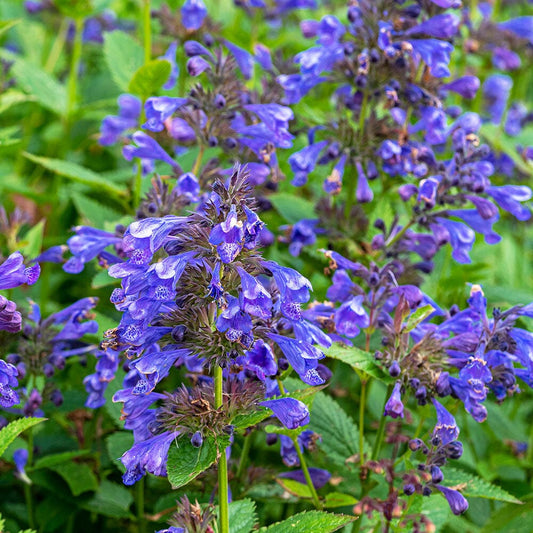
244,454
350,192
72,86
223,491
198,161
137,185
381,429
307,475
362,402
362,116
57,47
139,504
147,31
27,487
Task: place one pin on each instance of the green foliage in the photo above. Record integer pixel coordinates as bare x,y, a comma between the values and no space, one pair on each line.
340,436
310,521
149,78
242,516
359,360
473,486
124,56
9,433
111,499
79,476
292,208
185,462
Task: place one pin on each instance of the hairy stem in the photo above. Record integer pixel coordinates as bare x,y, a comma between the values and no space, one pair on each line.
147,31
381,429
307,475
223,491
362,403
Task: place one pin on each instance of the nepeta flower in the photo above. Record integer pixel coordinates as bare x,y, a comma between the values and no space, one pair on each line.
394,406
193,13
291,413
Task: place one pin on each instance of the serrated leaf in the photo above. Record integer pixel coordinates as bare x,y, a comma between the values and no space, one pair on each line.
359,360
340,436
149,78
317,521
33,240
123,56
474,486
339,499
243,421
117,444
79,477
44,87
77,173
294,487
9,433
418,316
292,208
94,212
58,459
111,500
242,516
185,462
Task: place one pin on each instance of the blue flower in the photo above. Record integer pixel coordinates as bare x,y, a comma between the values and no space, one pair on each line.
460,236
10,318
254,298
193,13
147,148
260,360
496,91
160,108
351,316
290,412
170,56
128,117
228,236
8,382
14,273
319,476
235,323
394,405
436,54
244,59
510,198
303,162
520,26
187,185
446,429
457,502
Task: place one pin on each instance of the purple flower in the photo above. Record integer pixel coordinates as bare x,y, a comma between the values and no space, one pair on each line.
96,384
303,233
14,273
333,183
158,109
87,244
147,456
187,185
147,148
319,477
170,56
460,236
466,86
263,57
228,237
235,323
457,502
10,318
244,59
128,117
521,26
505,59
443,26
303,162
196,65
290,412
8,381
446,429
275,124
302,356
436,55
260,360
363,193
478,223
193,13
394,406
509,197
254,298
350,317
296,86
180,130
496,91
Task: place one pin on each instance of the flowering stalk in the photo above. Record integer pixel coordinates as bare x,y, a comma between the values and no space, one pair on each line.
223,492
27,486
307,475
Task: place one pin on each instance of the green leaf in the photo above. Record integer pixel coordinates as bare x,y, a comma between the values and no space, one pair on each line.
12,97
359,360
94,212
292,208
243,421
103,279
148,79
33,240
117,444
295,487
9,433
79,477
77,173
511,518
45,88
311,521
474,486
111,500
185,462
339,499
418,316
242,516
5,25
123,55
58,459
340,436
